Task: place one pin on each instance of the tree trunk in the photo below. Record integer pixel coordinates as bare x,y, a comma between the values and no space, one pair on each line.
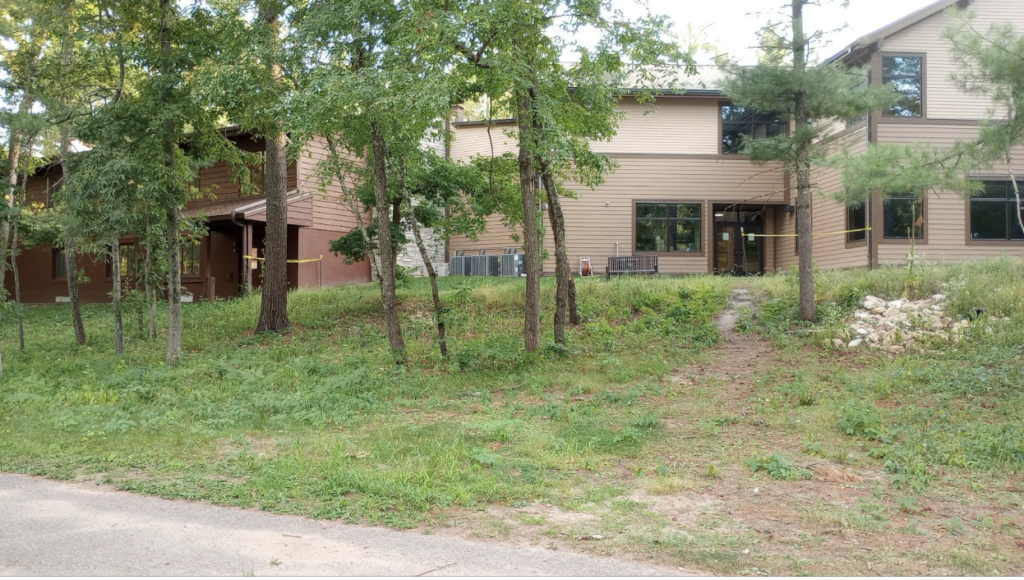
14,244
531,241
386,257
565,292
115,294
439,312
805,226
174,324
274,300
70,256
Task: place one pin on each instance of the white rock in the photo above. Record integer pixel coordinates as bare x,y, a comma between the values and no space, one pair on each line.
856,342
892,312
895,304
862,331
873,338
873,302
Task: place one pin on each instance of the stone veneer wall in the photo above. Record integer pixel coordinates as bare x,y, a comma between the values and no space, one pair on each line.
410,256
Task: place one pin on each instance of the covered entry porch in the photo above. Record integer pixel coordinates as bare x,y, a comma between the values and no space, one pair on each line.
742,238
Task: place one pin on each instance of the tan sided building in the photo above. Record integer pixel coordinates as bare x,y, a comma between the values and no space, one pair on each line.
682,193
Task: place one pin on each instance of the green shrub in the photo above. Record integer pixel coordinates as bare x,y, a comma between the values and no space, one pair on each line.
778,466
862,420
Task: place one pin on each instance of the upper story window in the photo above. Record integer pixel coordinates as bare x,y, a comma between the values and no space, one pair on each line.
994,213
904,216
740,124
668,227
906,75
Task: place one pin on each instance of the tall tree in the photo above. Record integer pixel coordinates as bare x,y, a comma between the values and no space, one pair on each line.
378,82
811,98
252,53
517,48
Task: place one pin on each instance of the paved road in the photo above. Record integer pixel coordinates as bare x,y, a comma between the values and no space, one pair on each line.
57,529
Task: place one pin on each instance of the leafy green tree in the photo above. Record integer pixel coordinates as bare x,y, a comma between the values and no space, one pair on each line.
514,50
377,83
246,79
812,98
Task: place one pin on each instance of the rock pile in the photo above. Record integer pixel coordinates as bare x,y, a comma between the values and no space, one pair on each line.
900,325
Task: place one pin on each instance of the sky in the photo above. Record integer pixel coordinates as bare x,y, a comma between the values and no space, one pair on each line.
732,25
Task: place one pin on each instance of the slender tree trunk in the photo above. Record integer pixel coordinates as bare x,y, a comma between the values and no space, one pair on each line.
174,324
274,300
147,273
439,312
17,287
14,244
565,293
70,254
353,204
805,226
531,241
115,295
386,258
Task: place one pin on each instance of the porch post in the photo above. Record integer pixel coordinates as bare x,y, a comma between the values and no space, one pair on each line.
247,251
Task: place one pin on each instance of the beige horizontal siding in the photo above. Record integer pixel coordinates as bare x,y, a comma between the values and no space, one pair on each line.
946,215
668,126
598,220
944,100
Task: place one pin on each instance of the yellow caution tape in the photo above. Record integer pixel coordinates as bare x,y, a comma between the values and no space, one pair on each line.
797,235
289,261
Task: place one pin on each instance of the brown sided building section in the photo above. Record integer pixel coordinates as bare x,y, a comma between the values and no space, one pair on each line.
216,265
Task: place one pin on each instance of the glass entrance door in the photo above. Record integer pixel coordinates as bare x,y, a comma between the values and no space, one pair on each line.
738,248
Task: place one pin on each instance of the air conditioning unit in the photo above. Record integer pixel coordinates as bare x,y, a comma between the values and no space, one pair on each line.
513,265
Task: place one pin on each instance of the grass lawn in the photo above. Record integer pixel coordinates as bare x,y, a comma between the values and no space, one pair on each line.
652,436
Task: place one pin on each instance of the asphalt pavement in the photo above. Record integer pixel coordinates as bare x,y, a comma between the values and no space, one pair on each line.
50,528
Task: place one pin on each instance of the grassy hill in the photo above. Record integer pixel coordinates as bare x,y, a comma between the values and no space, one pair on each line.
640,431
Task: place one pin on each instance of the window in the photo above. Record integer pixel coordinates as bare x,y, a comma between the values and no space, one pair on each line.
668,227
129,262
740,124
903,214
994,213
905,74
190,258
58,267
856,219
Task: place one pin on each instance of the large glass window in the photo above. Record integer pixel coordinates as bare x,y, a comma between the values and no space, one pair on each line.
904,216
129,262
740,124
906,75
994,213
856,221
668,227
189,258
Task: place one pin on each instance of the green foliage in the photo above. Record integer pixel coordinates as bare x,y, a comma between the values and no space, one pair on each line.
777,466
862,420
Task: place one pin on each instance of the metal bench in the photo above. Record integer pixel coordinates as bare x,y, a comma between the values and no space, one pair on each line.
619,265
